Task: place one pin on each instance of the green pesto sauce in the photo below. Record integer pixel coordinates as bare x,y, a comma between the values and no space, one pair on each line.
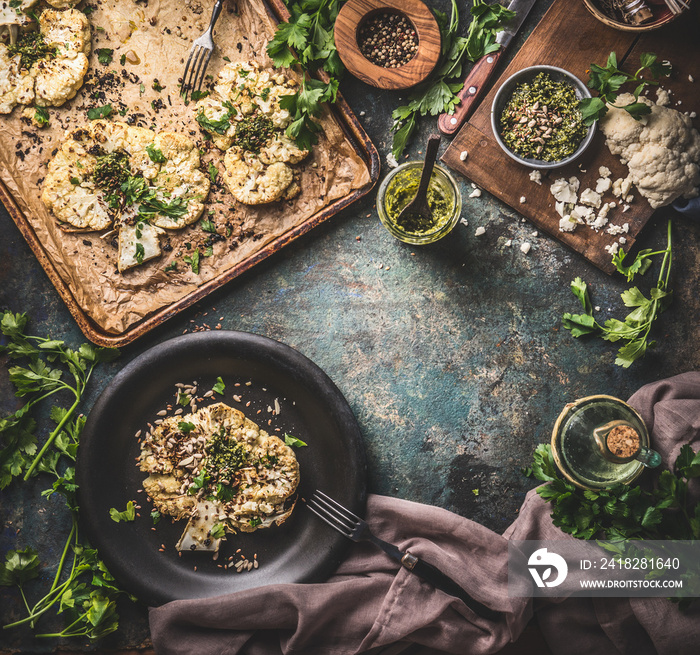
31,47
226,455
403,188
549,104
253,132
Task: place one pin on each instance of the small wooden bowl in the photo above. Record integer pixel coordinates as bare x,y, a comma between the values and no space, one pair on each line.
662,16
347,26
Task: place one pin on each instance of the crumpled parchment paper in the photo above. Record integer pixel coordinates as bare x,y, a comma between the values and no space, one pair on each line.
154,38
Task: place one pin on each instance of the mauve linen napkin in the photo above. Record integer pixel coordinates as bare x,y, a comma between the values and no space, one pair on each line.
369,602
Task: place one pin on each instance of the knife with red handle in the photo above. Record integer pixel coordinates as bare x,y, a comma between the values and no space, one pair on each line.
477,81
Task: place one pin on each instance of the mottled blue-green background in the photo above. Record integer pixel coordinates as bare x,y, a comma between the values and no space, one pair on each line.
452,356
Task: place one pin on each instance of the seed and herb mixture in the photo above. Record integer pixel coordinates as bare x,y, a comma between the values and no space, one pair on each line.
388,40
542,120
218,469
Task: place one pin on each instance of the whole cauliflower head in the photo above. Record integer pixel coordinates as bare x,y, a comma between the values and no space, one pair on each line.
662,150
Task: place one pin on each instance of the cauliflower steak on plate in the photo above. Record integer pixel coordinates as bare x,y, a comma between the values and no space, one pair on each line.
45,63
216,467
110,174
246,119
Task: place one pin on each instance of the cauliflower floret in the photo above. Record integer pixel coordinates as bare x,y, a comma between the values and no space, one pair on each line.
662,151
253,183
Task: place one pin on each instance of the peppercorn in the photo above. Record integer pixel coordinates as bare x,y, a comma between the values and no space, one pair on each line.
388,40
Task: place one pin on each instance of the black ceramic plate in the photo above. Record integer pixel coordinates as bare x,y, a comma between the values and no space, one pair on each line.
303,549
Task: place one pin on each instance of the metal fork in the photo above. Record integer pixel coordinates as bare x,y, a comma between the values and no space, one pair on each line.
200,54
353,527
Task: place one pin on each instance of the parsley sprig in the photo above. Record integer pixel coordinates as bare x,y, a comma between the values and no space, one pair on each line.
622,511
307,41
610,79
438,94
47,363
82,589
634,330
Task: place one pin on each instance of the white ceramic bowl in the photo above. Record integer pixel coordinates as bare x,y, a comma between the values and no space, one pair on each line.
503,96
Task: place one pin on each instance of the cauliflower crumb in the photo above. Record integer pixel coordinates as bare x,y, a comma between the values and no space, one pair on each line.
693,114
612,248
463,155
591,198
479,231
567,224
581,213
565,191
691,78
604,171
391,160
523,199
663,98
622,240
475,194
536,176
508,243
525,247
603,184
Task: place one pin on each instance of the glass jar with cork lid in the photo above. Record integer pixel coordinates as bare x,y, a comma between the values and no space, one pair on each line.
600,441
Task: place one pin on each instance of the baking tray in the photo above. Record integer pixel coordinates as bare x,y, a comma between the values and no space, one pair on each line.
355,135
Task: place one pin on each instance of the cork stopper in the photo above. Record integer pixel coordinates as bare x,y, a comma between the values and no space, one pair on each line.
624,441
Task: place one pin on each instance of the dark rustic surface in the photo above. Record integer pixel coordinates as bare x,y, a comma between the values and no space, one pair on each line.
452,356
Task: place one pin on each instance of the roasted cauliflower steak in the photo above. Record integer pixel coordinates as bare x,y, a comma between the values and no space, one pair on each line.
47,62
216,466
110,174
245,118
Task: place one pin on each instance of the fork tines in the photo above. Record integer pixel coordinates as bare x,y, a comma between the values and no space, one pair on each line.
197,61
333,513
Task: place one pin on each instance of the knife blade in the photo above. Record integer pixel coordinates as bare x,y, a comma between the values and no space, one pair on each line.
476,82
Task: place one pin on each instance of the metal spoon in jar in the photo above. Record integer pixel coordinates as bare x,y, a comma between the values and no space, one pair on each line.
419,205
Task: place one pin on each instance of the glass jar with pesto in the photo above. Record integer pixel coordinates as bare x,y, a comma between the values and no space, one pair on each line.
399,188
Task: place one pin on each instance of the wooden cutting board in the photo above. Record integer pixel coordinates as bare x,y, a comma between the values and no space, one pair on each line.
570,37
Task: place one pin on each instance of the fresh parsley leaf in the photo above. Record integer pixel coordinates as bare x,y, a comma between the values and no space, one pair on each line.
41,116
609,80
140,252
199,482
185,427
293,441
155,516
127,515
207,226
255,522
99,112
198,95
155,154
219,386
193,261
218,531
104,56
213,172
19,567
